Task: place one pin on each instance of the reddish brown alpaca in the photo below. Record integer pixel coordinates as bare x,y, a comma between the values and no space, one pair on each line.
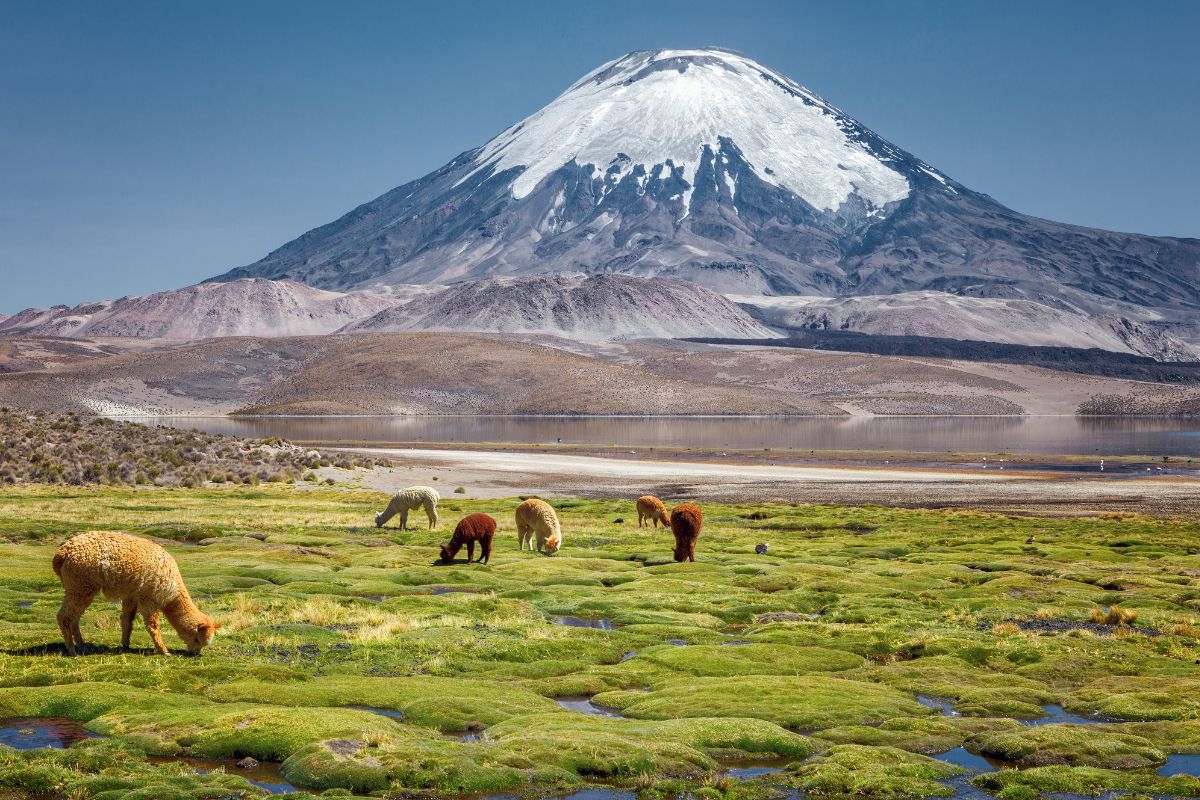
686,521
471,529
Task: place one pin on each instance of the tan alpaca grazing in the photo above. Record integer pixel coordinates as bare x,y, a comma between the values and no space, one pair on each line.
650,508
537,518
140,574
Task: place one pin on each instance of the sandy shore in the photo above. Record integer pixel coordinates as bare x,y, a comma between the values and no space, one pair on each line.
484,474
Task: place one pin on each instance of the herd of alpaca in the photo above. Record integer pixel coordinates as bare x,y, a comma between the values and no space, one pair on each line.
146,579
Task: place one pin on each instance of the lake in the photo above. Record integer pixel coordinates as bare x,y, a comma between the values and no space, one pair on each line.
1099,436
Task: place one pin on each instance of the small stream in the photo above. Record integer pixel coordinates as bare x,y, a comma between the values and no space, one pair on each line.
580,622
1181,764
265,775
584,705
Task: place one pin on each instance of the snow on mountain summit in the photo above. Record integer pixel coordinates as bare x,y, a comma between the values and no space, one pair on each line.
663,108
707,167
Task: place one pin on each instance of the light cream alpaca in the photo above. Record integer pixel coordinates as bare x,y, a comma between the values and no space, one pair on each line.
411,499
140,574
650,508
537,517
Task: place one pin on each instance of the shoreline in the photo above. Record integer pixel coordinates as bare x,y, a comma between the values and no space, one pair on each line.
487,474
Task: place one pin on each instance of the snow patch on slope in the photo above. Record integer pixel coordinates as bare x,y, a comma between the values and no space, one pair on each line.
663,107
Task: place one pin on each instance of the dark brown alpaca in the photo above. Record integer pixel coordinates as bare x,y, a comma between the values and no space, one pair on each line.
471,529
686,521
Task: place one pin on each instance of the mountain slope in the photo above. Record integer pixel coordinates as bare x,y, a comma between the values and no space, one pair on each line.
942,315
249,307
573,306
707,166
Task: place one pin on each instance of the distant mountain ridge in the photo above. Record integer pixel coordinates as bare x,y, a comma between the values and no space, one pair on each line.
588,308
706,166
248,307
941,315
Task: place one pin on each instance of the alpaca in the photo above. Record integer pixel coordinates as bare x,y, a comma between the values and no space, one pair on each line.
410,499
686,521
140,574
650,508
537,517
471,529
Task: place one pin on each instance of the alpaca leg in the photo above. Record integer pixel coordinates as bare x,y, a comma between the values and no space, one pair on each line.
522,537
78,634
470,551
485,550
404,519
151,618
73,606
431,512
640,518
128,612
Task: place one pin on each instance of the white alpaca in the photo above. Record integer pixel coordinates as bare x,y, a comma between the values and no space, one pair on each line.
537,517
410,499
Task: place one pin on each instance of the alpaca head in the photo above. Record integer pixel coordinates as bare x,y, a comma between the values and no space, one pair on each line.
680,553
447,556
379,520
201,635
554,543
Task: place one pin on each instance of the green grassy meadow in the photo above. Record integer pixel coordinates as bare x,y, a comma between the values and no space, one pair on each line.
810,657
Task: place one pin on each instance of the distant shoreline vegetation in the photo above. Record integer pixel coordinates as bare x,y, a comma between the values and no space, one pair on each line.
76,450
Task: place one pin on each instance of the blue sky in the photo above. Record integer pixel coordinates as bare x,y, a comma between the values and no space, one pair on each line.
146,146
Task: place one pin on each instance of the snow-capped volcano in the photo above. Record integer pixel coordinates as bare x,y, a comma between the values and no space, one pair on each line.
658,113
706,166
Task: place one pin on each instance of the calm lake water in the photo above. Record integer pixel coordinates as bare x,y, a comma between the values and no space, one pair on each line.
1102,436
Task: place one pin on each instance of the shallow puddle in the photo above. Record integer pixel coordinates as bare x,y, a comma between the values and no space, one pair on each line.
264,776
1057,715
961,757
25,604
750,773
440,590
1180,764
386,712
736,642
580,622
584,705
677,642
31,733
628,655
944,705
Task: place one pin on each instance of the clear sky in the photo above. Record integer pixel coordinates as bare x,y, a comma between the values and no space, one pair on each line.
149,145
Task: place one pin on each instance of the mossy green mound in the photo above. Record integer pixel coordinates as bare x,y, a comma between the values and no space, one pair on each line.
447,704
1073,745
1087,781
751,659
852,615
926,735
804,702
877,772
